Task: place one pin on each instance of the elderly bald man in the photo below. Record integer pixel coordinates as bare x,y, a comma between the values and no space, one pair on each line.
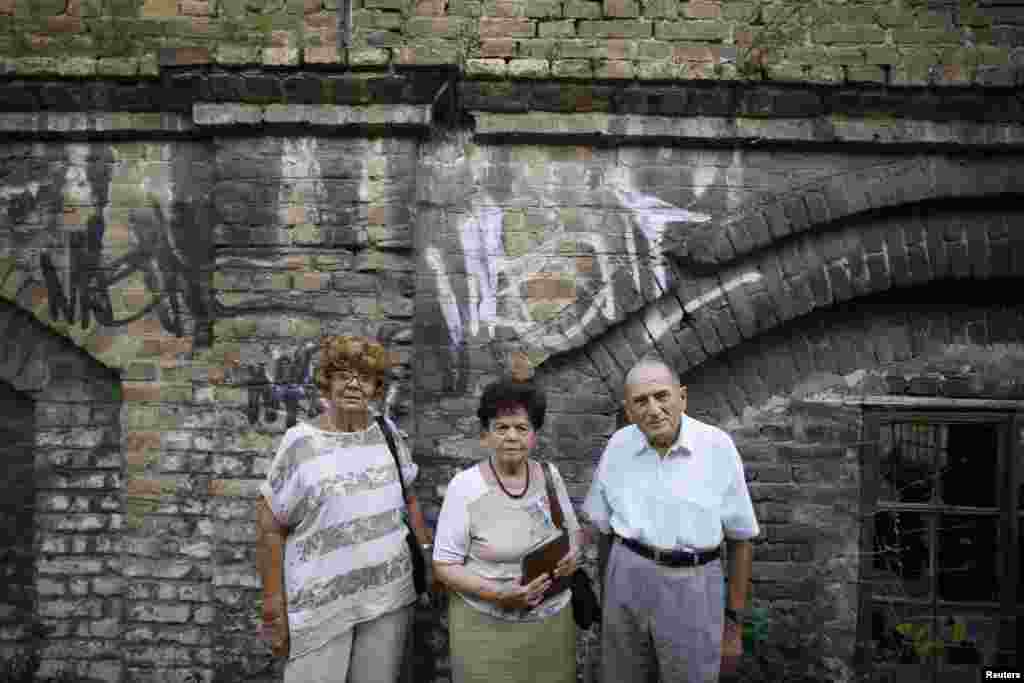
667,490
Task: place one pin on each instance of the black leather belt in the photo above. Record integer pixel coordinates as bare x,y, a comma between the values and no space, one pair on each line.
672,558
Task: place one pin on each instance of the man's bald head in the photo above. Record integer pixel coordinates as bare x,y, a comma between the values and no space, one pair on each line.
652,367
655,401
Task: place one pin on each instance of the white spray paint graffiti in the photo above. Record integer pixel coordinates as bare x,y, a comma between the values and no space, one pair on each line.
482,245
496,282
300,171
658,325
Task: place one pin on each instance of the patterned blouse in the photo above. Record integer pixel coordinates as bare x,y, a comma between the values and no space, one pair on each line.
346,560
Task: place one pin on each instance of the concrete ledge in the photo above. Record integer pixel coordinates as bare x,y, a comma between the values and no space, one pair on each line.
93,122
322,115
748,130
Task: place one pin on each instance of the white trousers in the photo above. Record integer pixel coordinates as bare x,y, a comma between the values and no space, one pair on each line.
370,652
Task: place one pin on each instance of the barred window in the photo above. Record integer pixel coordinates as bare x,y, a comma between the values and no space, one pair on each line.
941,543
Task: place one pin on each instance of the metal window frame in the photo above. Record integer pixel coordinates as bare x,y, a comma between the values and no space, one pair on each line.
1009,418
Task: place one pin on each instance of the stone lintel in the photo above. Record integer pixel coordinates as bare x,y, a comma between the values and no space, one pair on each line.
747,130
73,122
320,115
919,403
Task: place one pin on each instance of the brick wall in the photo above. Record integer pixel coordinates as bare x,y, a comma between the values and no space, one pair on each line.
792,400
17,517
166,268
881,41
71,439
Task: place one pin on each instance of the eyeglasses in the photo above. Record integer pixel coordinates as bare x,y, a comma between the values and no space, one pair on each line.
346,376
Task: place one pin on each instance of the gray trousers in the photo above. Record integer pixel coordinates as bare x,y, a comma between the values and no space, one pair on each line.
370,652
660,623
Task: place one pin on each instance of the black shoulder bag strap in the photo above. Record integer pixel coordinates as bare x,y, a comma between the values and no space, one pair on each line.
419,568
390,438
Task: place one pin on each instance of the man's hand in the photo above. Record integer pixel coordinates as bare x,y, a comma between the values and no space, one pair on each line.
275,624
567,565
732,646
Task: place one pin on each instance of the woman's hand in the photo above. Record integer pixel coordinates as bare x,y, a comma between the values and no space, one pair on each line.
732,646
275,625
524,597
567,565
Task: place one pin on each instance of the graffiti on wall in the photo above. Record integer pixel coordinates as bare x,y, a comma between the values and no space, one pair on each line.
285,384
171,275
99,260
572,268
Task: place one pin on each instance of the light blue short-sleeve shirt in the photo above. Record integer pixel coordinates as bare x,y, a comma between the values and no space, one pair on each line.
690,499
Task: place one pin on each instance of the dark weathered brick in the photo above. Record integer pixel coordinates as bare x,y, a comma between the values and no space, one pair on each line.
725,326
689,342
839,281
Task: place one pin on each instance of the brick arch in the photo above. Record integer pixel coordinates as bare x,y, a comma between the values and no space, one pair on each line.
77,471
915,245
905,336
877,188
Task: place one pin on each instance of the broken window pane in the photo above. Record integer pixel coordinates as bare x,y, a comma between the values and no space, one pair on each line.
970,477
970,639
902,635
901,556
910,453
967,558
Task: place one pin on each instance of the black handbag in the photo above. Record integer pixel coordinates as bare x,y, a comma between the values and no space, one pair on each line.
419,565
585,606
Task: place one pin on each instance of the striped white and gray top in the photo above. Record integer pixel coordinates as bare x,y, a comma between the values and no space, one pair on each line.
346,559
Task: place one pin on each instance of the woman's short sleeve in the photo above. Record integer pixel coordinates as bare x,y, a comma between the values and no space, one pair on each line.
283,487
451,539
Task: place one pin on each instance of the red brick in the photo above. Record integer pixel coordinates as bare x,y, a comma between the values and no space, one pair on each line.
140,441
64,24
141,391
620,49
621,8
201,24
702,10
327,54
143,487
7,6
191,55
194,8
150,348
280,38
321,20
312,6
39,40
504,47
507,27
682,54
431,8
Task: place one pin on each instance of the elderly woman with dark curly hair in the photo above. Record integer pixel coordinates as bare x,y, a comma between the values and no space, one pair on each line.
493,514
337,574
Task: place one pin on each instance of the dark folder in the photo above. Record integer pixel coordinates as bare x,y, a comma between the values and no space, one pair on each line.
543,559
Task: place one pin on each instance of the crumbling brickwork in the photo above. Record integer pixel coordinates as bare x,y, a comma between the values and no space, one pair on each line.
897,42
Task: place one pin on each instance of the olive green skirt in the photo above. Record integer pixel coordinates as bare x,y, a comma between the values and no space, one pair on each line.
489,650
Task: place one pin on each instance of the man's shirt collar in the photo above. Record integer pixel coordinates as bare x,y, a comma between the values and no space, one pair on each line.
681,446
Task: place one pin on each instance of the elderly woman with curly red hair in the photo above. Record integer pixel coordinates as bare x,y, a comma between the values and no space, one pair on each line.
332,550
